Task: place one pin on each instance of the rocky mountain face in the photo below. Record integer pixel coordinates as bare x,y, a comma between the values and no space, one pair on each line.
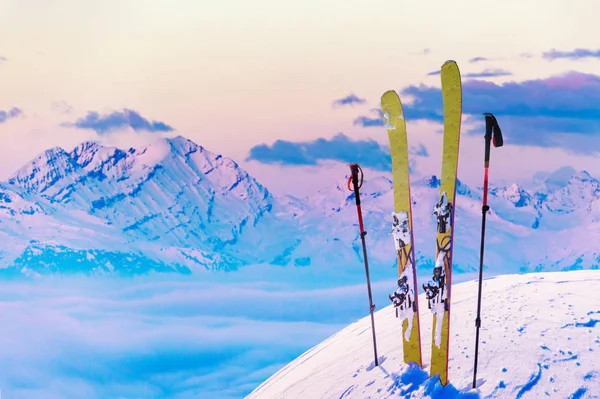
175,206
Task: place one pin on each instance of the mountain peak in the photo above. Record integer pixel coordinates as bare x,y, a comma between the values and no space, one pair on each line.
182,145
84,153
44,170
54,152
562,177
514,193
581,176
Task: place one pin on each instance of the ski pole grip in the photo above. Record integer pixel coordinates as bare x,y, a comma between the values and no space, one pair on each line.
492,130
493,134
354,174
489,126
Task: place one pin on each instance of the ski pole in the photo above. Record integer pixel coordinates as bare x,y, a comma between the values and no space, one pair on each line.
355,169
492,134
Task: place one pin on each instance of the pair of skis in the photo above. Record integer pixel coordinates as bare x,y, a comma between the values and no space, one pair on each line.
437,290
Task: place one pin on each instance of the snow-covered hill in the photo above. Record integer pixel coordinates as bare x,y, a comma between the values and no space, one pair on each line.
175,206
540,338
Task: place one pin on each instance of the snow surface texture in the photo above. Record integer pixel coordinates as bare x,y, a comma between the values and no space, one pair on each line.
540,337
175,206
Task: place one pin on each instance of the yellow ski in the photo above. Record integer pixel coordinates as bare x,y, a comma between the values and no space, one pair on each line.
438,288
405,298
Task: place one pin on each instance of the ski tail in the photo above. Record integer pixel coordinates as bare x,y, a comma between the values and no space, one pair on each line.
406,301
440,302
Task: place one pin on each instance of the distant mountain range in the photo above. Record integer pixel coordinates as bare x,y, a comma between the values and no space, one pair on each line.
175,206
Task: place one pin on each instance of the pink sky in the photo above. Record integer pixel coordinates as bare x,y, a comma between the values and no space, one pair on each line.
234,74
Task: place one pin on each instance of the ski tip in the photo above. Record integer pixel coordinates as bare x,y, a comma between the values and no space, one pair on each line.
390,96
450,67
449,64
390,103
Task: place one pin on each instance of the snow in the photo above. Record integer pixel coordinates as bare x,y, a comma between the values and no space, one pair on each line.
161,200
540,337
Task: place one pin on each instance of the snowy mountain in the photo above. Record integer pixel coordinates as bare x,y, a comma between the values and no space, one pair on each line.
538,338
168,205
175,206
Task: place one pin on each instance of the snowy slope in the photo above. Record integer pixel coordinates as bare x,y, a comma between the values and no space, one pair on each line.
332,213
540,337
553,227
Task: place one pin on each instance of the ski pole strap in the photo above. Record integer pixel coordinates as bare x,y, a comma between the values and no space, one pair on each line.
492,130
354,178
354,173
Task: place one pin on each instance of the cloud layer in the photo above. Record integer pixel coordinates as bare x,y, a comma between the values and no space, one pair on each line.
174,337
562,110
116,120
341,148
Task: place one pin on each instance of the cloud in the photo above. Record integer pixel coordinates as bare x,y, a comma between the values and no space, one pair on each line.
488,73
478,59
368,121
409,112
351,99
543,112
557,179
176,337
341,148
12,113
118,120
576,54
62,107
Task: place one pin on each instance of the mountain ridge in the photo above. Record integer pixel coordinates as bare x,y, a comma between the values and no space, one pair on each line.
176,206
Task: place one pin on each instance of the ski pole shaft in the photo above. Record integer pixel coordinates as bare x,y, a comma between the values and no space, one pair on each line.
354,169
478,319
492,134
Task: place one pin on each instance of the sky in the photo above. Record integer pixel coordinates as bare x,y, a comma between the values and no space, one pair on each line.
293,88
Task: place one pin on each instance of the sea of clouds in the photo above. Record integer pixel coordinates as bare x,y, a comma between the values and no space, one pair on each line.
204,336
